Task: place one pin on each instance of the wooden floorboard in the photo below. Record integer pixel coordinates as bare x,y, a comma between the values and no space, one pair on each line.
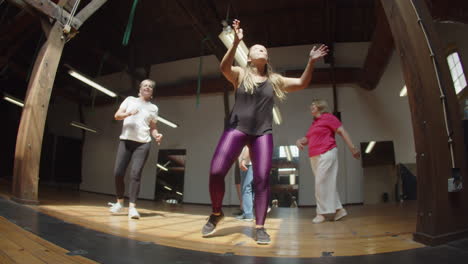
367,230
20,246
5,259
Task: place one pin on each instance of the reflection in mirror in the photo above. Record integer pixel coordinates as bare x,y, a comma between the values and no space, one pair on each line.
170,176
284,177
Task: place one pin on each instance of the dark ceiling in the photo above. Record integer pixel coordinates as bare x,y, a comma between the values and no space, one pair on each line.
168,30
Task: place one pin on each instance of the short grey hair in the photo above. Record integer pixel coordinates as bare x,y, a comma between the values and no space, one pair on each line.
152,83
321,104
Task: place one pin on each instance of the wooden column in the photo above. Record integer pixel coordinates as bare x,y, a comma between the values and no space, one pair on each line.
442,216
31,129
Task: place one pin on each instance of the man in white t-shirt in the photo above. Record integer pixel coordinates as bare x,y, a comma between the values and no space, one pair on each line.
140,117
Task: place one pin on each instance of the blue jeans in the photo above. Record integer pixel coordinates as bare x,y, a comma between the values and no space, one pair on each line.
247,191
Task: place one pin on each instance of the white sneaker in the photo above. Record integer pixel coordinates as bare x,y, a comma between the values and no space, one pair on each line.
115,208
318,219
340,214
133,213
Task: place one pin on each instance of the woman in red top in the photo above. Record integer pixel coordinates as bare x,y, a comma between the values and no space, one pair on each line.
324,159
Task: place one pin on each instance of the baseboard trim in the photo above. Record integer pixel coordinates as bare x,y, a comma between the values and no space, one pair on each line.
431,240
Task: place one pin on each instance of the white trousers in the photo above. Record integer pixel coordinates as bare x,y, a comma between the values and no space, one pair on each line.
325,169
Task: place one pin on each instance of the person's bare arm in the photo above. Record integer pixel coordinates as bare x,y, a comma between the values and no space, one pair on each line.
244,158
296,84
232,73
154,132
347,139
122,113
302,142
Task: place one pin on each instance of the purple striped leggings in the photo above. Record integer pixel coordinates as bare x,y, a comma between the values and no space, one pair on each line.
229,147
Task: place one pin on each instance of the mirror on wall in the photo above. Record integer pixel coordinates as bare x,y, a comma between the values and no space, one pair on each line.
170,171
284,177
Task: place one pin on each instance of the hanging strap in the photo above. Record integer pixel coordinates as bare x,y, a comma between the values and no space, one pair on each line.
128,29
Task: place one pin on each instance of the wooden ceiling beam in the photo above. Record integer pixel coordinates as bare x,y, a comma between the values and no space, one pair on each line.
323,76
216,85
50,9
54,11
7,53
89,9
196,18
320,77
453,10
380,51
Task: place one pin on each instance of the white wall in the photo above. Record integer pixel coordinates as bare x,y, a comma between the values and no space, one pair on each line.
379,180
378,115
197,127
60,113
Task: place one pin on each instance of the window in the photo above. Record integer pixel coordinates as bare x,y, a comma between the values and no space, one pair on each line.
292,151
456,69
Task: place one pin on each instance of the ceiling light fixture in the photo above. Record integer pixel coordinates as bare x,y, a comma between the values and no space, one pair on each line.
227,37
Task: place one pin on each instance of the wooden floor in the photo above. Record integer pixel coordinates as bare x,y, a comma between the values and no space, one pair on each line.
20,246
368,229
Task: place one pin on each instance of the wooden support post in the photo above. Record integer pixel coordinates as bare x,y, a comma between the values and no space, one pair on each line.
442,216
31,129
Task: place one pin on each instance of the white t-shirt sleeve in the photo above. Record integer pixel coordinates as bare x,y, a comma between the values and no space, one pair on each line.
155,115
124,104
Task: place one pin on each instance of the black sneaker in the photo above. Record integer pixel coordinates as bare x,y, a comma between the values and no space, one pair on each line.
238,212
262,237
210,226
245,217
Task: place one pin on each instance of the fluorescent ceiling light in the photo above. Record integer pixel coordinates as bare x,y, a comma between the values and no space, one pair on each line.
82,126
13,100
179,193
91,83
277,115
227,37
161,167
370,146
167,122
404,92
167,188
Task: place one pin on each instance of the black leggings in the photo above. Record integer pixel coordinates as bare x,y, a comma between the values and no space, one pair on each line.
137,153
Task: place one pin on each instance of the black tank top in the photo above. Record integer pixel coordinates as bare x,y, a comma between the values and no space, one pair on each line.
253,113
